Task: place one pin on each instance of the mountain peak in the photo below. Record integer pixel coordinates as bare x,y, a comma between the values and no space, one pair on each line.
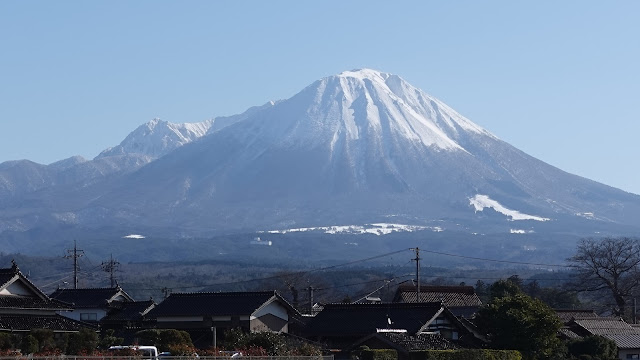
158,137
367,106
365,74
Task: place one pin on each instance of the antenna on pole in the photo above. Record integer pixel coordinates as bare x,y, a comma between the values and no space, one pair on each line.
74,253
417,260
110,266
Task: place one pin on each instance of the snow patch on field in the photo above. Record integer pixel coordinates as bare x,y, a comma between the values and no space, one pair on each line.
376,229
587,215
480,202
520,231
134,236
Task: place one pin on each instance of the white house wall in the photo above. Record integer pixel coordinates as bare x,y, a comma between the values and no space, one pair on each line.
17,288
274,308
77,313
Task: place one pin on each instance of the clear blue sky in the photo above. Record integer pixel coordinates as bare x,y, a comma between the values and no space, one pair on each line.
558,79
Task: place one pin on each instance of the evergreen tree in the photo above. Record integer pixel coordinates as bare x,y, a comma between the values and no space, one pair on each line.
515,321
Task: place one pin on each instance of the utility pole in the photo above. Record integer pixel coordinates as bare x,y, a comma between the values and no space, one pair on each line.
310,289
110,266
74,253
417,260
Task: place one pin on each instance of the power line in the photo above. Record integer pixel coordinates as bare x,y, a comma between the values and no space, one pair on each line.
494,260
298,274
361,283
60,279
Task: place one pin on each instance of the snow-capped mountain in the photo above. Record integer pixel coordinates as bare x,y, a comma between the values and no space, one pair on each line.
361,147
157,138
356,147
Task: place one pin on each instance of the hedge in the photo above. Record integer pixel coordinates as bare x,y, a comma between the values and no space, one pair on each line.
379,354
465,354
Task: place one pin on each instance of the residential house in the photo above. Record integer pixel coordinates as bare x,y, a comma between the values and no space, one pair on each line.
340,326
567,316
24,307
91,304
207,315
460,300
127,318
128,315
626,337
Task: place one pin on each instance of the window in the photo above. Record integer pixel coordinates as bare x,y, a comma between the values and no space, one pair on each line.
88,316
633,356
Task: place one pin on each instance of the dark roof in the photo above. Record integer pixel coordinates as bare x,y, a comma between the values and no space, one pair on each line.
625,341
214,303
6,274
88,298
451,296
28,322
418,342
365,319
568,333
39,300
567,315
464,311
606,326
129,311
26,302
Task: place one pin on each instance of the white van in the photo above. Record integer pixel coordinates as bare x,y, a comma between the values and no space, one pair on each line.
147,352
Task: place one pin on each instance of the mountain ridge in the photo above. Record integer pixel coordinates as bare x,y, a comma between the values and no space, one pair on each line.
360,147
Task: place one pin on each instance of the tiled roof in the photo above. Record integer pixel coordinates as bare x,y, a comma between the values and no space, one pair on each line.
606,326
365,319
466,312
212,304
566,315
87,298
129,311
625,341
37,300
419,342
28,322
451,296
568,333
6,274
26,302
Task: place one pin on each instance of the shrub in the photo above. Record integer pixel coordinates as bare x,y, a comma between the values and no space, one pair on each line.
45,339
29,345
84,342
6,341
465,354
593,347
379,354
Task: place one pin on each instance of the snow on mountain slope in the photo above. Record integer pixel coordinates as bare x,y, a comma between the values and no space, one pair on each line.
368,106
375,229
158,138
352,148
480,202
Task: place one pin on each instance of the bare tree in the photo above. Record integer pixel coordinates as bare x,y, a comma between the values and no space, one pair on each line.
609,264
